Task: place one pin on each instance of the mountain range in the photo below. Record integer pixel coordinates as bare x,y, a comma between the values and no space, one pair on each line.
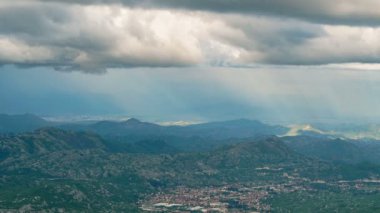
111,166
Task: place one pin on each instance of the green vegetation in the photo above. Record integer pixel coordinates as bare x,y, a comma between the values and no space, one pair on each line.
57,170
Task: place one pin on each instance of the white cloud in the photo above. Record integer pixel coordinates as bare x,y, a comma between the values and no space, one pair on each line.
356,66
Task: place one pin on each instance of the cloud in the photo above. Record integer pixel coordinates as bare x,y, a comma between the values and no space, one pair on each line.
299,43
347,12
95,37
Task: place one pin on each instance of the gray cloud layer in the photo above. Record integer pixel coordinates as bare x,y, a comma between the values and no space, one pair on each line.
94,37
350,12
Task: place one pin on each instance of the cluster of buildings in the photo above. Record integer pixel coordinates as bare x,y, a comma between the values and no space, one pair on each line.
247,197
208,199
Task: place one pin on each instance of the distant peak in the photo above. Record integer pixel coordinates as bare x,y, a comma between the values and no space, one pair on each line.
133,121
248,120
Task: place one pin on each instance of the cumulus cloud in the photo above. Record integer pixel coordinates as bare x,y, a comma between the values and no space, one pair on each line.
300,43
93,37
96,37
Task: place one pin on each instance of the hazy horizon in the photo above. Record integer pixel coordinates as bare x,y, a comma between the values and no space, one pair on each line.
200,94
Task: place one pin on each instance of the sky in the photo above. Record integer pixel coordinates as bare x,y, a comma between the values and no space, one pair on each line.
193,60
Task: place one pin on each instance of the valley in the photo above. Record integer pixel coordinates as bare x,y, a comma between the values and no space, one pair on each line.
61,169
